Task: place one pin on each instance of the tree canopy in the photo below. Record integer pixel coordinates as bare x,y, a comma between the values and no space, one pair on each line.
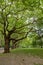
20,17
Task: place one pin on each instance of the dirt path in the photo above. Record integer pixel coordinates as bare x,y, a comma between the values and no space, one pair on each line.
1,50
21,59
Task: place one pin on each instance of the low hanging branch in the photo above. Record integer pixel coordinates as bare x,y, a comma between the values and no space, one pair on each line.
16,40
15,29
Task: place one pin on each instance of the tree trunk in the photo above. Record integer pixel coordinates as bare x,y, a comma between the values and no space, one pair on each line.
14,45
41,45
7,45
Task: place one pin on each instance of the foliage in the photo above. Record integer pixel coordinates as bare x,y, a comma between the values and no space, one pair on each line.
20,17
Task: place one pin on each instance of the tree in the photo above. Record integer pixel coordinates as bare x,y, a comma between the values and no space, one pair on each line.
15,20
40,34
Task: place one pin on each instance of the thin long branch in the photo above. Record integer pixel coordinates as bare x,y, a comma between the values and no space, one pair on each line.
24,25
7,23
16,40
14,13
14,29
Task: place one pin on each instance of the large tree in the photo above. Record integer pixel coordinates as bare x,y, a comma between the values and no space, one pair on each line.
15,19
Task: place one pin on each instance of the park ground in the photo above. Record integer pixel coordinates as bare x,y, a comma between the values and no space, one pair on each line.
22,57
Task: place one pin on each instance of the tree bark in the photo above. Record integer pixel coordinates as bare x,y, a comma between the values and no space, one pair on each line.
14,45
7,45
41,45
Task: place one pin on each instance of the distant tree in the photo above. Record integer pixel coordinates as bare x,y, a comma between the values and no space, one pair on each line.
40,36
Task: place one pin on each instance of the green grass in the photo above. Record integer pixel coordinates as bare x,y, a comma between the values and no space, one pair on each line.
32,51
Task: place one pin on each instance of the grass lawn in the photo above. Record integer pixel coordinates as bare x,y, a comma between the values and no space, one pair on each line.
32,51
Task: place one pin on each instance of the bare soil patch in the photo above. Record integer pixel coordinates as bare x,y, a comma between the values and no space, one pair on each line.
20,59
1,50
